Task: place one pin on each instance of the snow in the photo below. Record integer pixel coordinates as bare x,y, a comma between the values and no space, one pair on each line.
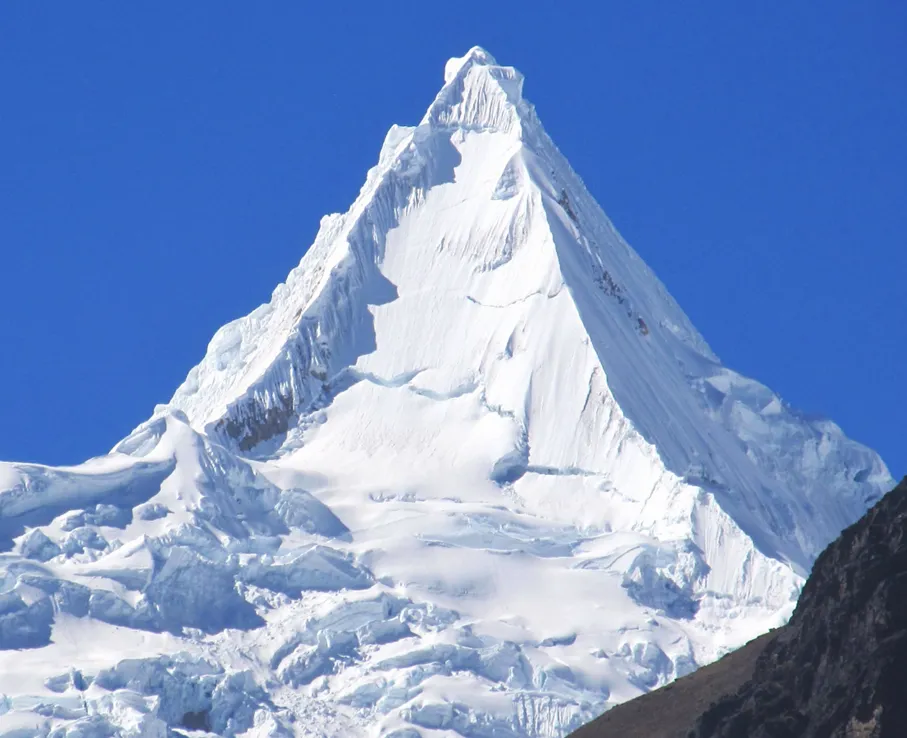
470,472
476,55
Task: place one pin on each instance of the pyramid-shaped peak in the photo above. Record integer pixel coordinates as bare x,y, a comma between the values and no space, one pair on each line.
471,409
476,55
478,94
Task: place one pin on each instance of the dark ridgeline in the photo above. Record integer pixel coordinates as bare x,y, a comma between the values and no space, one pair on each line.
838,669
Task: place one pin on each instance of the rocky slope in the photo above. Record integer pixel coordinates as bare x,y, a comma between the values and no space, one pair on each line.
836,670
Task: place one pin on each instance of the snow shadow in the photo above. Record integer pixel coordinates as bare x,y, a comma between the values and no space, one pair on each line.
55,493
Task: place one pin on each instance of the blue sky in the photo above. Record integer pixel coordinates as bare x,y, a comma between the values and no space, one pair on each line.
165,165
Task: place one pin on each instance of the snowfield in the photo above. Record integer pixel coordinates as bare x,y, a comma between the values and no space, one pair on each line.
471,472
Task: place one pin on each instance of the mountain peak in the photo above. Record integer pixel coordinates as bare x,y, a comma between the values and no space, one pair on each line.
476,55
478,424
478,94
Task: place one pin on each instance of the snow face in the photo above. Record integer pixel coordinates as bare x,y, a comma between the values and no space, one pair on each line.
471,471
476,55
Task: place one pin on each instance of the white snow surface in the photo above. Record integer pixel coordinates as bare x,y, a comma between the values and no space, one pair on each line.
470,472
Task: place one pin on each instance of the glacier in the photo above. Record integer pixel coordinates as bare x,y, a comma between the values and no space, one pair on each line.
470,472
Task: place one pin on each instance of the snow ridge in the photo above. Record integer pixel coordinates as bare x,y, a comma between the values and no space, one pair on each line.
471,471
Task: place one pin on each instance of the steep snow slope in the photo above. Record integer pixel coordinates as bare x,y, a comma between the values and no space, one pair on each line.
471,471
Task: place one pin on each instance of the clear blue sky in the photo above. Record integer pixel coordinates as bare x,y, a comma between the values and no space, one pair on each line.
164,165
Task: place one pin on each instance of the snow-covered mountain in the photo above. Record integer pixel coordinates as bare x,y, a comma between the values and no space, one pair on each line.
471,471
